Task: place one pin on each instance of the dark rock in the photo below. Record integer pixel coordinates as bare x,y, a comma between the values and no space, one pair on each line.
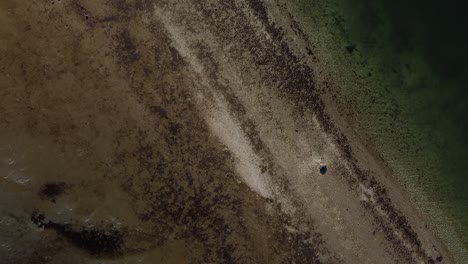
323,170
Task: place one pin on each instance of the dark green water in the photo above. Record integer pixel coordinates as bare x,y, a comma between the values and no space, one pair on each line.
434,101
414,57
422,47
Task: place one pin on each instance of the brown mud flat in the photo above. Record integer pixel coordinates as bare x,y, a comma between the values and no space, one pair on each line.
183,132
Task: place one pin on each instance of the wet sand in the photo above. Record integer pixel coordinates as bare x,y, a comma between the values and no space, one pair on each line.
188,132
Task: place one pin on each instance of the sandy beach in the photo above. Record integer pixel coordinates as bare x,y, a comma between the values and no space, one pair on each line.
186,132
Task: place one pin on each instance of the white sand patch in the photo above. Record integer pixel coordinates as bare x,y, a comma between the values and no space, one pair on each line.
225,127
219,119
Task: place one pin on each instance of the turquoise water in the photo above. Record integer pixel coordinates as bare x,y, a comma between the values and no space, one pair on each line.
414,56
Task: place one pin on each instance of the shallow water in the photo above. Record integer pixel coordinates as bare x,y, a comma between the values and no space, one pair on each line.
414,54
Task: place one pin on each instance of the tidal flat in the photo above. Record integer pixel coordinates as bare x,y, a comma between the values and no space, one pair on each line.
190,132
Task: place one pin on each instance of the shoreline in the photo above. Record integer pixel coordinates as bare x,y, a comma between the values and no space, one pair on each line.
387,177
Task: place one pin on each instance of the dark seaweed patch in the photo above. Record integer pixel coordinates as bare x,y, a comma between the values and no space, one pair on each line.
96,242
38,219
155,109
52,190
126,48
